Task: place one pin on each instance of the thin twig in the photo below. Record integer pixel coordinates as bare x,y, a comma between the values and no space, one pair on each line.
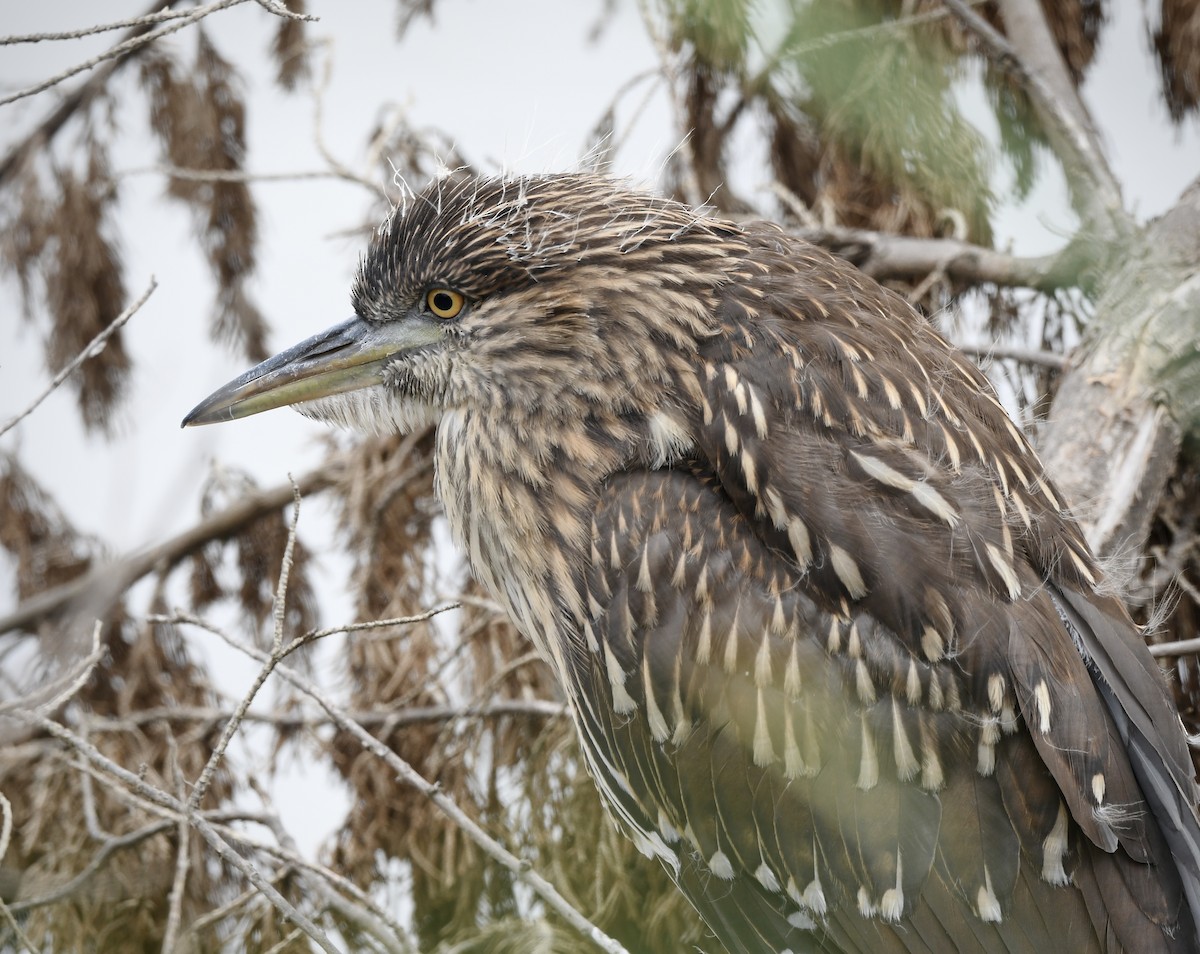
22,939
91,817
82,95
284,942
5,835
797,206
1180,647
136,785
225,850
277,9
204,921
145,20
286,721
71,682
90,350
319,91
107,849
179,884
5,825
200,789
78,99
365,911
606,145
921,289
285,572
689,180
122,49
225,175
410,776
316,634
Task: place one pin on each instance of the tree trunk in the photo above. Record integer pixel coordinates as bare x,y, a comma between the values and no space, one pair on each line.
1133,386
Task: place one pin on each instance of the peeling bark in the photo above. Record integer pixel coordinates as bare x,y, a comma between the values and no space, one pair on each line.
1116,425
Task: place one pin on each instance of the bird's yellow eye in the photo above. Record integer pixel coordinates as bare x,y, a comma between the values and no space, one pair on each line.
444,302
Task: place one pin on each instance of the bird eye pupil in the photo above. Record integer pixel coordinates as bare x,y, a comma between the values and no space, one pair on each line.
444,302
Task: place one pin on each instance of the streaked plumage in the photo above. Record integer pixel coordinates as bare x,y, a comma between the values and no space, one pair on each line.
832,645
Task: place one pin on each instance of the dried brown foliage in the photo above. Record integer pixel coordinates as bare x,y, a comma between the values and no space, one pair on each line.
1075,24
1166,588
388,513
62,815
255,557
47,550
389,510
59,241
408,11
200,120
58,229
1177,43
290,48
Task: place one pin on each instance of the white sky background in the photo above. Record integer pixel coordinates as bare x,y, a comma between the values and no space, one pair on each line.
487,71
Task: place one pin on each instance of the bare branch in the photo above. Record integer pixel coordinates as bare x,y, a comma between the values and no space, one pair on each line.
884,256
277,9
93,348
97,590
137,786
278,651
146,20
122,49
5,825
364,911
387,718
410,776
1181,647
82,95
989,352
109,847
70,683
1032,57
229,175
1112,438
179,883
338,167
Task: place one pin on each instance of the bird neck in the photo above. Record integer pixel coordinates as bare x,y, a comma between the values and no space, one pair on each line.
519,490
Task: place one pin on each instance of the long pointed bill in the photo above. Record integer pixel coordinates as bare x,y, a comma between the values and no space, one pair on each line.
347,357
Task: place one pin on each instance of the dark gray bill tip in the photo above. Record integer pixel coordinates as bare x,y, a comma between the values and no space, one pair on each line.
209,411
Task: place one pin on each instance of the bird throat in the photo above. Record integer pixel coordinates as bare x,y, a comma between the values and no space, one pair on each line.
523,527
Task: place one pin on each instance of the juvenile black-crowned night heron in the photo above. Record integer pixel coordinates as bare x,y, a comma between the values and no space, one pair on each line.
833,648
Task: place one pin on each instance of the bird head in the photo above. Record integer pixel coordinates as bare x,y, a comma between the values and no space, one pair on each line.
544,295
